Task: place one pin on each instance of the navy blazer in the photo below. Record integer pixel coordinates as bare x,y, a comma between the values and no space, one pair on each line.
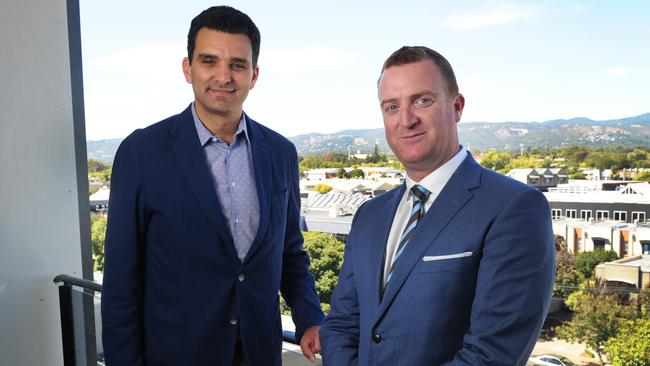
175,292
472,287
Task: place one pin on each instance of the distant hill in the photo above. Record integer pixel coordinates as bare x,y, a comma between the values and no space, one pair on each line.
103,150
631,131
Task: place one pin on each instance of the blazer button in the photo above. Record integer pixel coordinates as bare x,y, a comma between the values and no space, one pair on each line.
233,320
376,337
241,277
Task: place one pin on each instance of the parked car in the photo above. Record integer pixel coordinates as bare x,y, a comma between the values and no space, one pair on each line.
550,360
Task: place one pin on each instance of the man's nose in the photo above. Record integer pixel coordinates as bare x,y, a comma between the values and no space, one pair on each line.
222,74
406,117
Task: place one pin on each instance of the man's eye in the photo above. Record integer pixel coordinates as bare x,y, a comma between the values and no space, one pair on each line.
424,101
238,66
208,61
390,108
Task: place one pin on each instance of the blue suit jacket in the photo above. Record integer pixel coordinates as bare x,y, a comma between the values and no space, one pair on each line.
483,308
173,284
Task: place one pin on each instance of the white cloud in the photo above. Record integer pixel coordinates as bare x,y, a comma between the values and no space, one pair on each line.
157,62
618,71
494,17
576,9
291,61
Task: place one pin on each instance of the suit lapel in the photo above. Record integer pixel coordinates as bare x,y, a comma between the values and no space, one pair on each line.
379,239
190,154
451,199
262,170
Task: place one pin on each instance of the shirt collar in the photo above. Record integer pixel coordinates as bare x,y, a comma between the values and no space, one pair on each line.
437,179
205,135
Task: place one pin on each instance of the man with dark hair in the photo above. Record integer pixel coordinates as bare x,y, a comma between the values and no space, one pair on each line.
460,270
203,229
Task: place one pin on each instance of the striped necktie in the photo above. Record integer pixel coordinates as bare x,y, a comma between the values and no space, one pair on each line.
420,195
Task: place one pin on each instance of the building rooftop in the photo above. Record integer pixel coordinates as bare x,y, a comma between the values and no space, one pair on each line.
594,192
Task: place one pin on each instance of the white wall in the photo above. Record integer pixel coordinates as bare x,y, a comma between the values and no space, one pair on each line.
43,187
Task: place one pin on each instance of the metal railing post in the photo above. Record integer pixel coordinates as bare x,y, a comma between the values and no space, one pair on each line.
67,325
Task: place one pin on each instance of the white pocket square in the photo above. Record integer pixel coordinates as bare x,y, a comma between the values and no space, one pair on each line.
429,258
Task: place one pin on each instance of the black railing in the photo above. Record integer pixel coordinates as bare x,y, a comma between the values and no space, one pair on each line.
66,284
66,304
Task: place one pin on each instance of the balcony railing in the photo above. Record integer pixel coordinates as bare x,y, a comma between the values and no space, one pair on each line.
80,316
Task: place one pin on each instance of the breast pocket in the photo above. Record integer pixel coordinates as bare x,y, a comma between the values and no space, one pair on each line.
455,262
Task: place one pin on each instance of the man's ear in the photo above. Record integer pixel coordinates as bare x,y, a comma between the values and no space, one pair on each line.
187,70
256,73
459,104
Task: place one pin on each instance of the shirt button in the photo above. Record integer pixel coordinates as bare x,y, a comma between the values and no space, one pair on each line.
241,277
376,337
237,220
233,320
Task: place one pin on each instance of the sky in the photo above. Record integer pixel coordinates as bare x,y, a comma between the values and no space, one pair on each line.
319,61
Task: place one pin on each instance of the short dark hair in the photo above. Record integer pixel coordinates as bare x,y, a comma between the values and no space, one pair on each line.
412,54
224,19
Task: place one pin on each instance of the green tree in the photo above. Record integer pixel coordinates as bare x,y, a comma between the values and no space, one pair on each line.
311,162
637,155
574,155
597,317
95,166
496,160
326,256
631,346
579,174
322,188
525,161
566,276
587,261
376,156
642,176
341,173
357,173
97,235
644,302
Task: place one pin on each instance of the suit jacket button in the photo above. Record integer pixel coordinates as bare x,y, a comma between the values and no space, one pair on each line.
241,277
233,320
376,337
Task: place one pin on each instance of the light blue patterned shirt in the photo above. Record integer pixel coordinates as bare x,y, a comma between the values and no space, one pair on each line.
231,168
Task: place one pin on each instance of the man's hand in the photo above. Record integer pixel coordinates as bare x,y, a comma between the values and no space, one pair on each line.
310,342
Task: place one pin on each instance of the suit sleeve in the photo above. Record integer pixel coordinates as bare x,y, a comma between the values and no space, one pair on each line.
122,332
339,334
513,287
298,286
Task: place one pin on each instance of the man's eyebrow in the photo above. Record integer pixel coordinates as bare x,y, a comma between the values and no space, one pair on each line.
240,59
207,56
425,92
388,100
411,97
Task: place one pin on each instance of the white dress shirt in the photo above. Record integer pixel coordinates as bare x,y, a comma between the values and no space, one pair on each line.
434,182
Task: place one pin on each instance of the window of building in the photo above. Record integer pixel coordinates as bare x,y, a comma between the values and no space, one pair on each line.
620,215
585,214
638,215
571,214
556,213
645,247
602,215
599,243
